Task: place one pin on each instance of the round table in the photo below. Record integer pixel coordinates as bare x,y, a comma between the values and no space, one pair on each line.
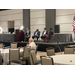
64,59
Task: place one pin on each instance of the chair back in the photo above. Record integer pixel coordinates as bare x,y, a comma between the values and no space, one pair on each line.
13,45
26,52
13,54
1,59
36,49
68,50
46,61
33,59
1,45
50,51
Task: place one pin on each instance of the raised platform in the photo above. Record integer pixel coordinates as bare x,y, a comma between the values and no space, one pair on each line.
43,45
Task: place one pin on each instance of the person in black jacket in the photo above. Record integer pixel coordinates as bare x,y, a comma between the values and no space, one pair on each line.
50,33
44,34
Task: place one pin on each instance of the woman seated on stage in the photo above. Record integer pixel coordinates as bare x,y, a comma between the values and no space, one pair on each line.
50,35
36,34
27,34
44,34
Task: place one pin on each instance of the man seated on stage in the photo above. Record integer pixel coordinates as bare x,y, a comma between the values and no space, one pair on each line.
36,34
32,44
27,34
44,34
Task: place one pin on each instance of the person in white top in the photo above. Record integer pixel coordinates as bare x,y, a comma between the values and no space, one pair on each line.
32,44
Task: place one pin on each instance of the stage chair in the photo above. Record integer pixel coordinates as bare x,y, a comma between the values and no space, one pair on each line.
46,61
50,51
68,50
13,45
14,57
1,45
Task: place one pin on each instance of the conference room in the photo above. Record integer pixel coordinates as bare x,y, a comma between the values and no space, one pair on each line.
37,37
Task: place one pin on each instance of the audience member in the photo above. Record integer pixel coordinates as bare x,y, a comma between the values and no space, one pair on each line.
32,44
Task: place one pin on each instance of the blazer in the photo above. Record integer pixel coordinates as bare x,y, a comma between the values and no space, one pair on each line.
46,33
38,33
28,33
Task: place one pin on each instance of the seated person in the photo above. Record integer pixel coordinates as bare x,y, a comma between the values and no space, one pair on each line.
44,34
50,35
27,34
32,44
36,34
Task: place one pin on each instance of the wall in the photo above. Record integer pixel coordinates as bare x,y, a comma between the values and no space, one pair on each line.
8,15
64,17
37,20
26,18
50,18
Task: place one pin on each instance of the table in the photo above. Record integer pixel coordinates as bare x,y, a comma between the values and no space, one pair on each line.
5,55
7,37
64,59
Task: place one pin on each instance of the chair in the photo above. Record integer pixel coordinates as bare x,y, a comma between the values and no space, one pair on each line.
1,45
33,60
46,61
25,54
14,56
50,51
1,60
68,50
36,49
13,45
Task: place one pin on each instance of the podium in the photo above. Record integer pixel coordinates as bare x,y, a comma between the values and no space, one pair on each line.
19,36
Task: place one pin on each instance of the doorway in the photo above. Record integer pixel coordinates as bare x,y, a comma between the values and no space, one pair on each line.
10,26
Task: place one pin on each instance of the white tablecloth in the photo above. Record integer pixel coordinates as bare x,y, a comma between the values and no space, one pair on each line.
64,59
5,55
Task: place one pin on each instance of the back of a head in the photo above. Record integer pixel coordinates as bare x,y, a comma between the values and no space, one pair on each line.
31,40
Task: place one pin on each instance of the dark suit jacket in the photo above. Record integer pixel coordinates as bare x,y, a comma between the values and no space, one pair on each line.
46,33
38,33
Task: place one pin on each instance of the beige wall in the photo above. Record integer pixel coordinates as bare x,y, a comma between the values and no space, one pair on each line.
8,15
64,17
37,20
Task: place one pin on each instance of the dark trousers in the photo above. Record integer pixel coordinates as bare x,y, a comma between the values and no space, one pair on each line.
35,37
43,37
26,38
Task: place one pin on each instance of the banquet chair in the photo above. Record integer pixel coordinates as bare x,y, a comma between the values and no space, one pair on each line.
1,60
50,51
46,61
33,59
1,45
36,49
14,57
13,45
26,54
68,50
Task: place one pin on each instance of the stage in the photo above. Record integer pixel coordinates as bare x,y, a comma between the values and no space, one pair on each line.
42,45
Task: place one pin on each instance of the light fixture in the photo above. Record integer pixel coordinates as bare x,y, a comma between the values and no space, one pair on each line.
21,28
